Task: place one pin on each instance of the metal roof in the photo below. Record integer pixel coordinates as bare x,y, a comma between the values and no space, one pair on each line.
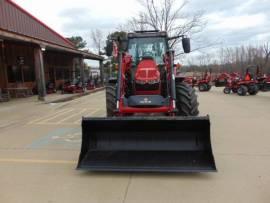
16,20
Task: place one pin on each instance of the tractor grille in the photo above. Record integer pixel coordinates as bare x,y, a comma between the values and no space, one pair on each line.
147,87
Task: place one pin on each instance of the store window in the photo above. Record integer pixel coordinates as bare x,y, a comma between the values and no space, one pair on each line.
62,73
28,74
14,74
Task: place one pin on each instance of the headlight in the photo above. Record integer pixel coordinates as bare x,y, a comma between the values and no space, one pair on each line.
141,82
153,81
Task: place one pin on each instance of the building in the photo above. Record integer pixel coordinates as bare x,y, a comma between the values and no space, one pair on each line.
31,53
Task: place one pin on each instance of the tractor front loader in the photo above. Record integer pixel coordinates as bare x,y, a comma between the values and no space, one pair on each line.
152,121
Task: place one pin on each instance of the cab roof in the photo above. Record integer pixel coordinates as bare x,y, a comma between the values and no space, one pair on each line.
147,33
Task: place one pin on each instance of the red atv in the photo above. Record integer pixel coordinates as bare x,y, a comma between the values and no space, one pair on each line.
235,75
50,88
90,85
222,79
242,86
72,87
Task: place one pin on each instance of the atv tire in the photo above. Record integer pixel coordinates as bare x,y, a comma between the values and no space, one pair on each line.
253,89
110,100
186,100
242,90
202,87
227,90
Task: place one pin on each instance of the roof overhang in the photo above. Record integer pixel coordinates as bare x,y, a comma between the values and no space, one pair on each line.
47,45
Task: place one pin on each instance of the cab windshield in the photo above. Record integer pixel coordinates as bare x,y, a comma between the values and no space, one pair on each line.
147,47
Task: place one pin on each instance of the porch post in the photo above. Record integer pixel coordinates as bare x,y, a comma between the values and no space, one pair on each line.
39,71
3,65
74,62
81,71
101,72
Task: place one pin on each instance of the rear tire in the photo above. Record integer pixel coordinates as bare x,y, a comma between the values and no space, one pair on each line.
186,100
253,89
110,100
242,90
263,87
234,90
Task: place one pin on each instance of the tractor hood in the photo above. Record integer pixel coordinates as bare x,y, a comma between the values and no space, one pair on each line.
147,72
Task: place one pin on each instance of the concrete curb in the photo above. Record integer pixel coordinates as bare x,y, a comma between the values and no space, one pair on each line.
75,96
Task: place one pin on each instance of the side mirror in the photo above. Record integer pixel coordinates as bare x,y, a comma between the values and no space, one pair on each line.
186,44
109,47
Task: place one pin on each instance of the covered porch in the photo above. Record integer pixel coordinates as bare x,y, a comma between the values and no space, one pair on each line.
28,65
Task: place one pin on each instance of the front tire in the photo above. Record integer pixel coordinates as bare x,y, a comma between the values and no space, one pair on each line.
186,100
202,87
227,90
110,100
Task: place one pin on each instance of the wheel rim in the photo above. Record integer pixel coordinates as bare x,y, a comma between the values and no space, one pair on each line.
201,88
227,91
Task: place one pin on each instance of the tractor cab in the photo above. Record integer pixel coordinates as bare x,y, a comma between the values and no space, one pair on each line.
147,56
141,48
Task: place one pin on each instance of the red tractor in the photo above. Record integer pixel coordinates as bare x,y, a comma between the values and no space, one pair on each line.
152,121
242,86
204,84
263,80
264,83
191,80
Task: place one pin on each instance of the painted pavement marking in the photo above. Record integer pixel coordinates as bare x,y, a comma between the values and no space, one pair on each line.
55,116
64,116
69,138
37,161
49,116
72,115
90,114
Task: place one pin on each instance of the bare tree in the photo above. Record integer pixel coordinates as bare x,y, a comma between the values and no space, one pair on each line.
169,16
97,39
266,49
237,59
135,23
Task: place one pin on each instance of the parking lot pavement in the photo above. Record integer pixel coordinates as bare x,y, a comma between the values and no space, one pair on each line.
40,143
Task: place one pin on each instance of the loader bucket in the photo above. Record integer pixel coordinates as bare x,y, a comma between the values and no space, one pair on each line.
146,144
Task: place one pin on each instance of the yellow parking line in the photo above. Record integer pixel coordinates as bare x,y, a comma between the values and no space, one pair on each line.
72,115
38,161
47,116
50,123
54,116
90,114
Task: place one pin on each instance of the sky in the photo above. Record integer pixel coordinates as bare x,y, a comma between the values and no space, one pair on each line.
229,23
